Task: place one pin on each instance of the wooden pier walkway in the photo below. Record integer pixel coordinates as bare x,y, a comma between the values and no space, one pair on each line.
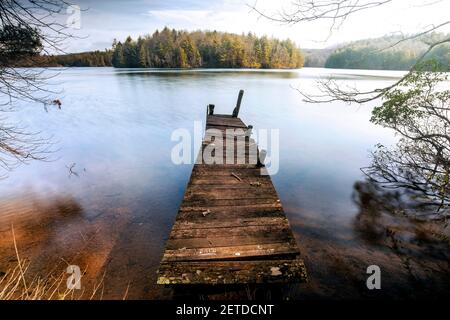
230,228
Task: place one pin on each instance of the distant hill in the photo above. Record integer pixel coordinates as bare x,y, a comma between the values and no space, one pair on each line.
388,53
316,58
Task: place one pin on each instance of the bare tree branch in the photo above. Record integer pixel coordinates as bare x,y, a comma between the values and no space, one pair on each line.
333,91
335,12
28,29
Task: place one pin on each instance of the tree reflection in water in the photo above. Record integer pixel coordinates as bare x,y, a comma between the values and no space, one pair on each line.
385,220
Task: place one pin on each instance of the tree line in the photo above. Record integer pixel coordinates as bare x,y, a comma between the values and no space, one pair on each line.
211,49
82,59
170,48
85,59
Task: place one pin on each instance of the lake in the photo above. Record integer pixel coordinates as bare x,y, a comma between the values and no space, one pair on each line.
108,194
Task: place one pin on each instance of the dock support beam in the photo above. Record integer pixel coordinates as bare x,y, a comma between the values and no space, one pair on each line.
238,104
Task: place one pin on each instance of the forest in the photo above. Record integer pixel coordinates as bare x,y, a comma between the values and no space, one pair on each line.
381,54
170,48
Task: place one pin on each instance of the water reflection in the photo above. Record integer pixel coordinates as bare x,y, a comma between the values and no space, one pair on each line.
422,245
383,220
43,228
107,239
191,73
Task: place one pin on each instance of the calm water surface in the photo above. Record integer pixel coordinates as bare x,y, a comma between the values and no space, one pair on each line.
113,214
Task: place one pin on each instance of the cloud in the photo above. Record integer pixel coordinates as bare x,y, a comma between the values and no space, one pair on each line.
186,16
223,20
106,20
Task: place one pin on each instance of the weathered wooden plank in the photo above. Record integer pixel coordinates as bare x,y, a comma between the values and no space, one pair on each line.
238,222
232,272
229,241
227,213
227,170
247,207
207,193
232,140
220,120
228,236
228,202
216,232
235,252
214,215
224,124
216,159
231,181
224,149
228,123
231,184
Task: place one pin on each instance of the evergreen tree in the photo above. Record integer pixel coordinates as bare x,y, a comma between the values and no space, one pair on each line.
143,58
118,59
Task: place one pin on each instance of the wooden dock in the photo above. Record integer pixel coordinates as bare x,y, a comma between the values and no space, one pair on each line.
231,227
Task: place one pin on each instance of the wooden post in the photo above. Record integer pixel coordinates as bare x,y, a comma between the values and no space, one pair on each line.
238,103
261,158
211,109
248,132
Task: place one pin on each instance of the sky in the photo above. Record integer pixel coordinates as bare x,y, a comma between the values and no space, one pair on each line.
103,20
